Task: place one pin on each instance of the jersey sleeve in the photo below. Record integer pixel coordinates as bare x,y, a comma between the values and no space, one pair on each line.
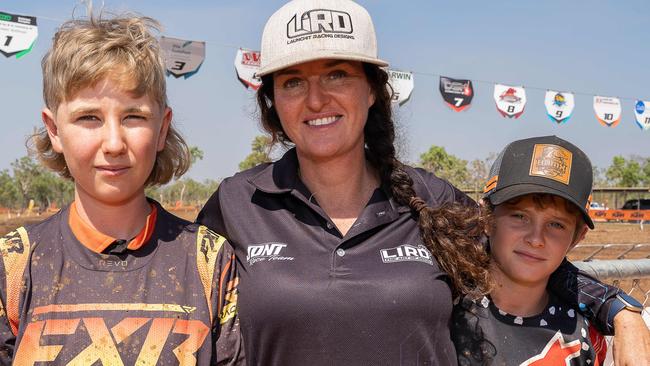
10,247
218,270
7,338
585,293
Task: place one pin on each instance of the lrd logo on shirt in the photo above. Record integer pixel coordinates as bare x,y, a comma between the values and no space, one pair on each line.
266,252
406,253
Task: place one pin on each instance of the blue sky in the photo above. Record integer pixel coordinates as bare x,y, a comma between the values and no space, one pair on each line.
592,47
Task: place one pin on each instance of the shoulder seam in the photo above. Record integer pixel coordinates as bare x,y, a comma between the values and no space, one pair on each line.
15,248
208,246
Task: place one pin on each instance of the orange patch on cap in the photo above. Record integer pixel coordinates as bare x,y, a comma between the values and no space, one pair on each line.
552,162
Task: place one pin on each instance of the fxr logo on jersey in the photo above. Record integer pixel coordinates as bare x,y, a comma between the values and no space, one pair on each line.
406,253
266,252
319,23
93,341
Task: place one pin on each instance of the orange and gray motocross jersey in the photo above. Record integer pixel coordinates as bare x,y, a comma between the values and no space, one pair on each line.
173,301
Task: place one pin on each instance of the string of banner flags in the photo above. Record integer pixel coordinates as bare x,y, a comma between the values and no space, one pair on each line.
183,58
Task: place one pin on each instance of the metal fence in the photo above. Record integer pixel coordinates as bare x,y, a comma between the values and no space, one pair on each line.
631,275
617,269
620,250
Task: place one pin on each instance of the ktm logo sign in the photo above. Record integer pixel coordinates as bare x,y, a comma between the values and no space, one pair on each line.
44,341
319,21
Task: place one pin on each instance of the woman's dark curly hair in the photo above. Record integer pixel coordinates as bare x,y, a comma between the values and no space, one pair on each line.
452,232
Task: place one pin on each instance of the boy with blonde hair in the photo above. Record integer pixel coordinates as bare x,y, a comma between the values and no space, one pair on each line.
114,278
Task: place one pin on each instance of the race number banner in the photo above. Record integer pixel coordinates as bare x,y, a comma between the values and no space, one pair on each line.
559,106
608,110
17,34
510,100
247,63
182,57
457,93
642,114
402,83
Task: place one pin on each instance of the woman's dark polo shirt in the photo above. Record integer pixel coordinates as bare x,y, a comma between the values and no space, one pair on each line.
310,296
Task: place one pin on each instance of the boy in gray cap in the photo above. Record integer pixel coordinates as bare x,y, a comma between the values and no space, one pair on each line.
537,197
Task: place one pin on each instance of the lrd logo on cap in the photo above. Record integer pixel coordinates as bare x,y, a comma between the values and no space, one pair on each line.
551,161
319,20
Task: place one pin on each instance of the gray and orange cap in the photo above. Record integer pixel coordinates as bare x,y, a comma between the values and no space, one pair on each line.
545,164
308,30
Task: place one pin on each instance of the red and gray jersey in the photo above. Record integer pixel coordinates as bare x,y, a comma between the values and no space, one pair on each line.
311,296
560,335
173,301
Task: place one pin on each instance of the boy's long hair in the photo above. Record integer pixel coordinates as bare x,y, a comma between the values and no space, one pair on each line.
124,50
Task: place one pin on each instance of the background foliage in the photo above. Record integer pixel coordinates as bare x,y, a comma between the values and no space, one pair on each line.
28,180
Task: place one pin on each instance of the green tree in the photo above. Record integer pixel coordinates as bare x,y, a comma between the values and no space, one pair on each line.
31,181
9,193
624,172
61,190
478,172
155,192
43,189
261,150
186,190
196,154
645,169
162,193
26,172
600,179
446,166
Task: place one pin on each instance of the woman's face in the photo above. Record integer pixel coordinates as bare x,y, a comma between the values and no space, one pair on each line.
323,106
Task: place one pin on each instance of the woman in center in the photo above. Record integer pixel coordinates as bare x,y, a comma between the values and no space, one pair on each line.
334,269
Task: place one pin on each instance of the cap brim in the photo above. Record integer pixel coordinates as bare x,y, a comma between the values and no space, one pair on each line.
518,190
299,58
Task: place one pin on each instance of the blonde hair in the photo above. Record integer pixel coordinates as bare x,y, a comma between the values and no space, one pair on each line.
124,49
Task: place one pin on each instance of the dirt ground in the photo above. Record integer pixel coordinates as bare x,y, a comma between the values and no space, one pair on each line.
623,237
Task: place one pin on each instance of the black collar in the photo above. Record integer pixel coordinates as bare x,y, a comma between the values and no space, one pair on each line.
282,177
279,177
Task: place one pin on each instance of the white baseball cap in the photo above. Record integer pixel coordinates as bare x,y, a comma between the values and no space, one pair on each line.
307,30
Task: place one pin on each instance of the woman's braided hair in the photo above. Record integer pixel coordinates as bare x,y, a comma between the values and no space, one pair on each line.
452,231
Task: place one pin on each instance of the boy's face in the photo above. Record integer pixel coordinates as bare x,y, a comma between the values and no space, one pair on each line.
528,242
109,140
